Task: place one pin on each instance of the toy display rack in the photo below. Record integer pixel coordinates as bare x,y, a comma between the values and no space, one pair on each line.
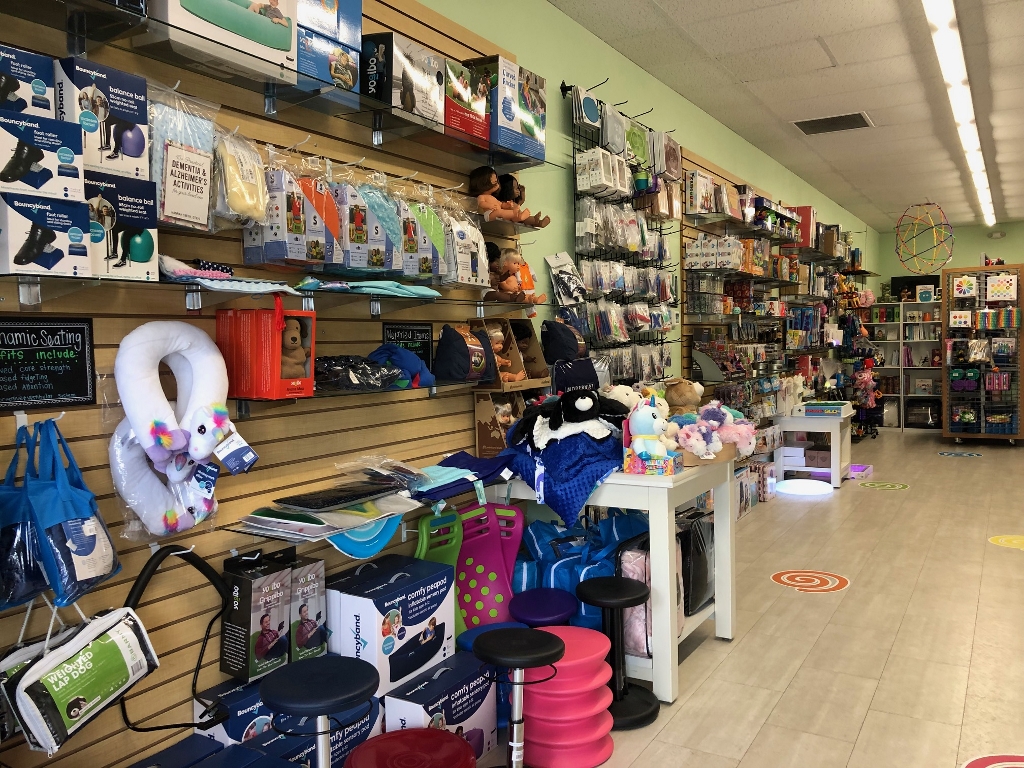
996,413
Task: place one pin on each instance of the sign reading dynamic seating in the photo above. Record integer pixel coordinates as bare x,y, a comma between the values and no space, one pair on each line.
46,363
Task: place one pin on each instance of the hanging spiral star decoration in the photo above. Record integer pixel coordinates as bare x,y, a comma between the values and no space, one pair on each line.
924,239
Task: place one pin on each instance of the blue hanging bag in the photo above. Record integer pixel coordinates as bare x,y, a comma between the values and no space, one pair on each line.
21,574
75,545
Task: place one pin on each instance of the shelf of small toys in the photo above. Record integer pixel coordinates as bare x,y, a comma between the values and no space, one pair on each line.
521,363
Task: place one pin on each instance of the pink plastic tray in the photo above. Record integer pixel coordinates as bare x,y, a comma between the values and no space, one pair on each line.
567,706
573,684
584,756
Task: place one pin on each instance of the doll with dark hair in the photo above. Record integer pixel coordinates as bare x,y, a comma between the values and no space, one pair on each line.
484,184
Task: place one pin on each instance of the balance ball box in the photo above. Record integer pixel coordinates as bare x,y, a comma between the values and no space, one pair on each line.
123,233
111,108
401,620
457,695
518,106
40,156
30,88
359,724
248,717
43,236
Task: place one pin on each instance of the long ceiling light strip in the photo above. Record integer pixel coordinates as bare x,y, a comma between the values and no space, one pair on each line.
941,16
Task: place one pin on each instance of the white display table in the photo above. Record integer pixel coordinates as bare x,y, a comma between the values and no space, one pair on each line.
660,496
837,426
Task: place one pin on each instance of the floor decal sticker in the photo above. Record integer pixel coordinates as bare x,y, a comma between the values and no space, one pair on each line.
885,486
961,454
811,581
996,761
1013,541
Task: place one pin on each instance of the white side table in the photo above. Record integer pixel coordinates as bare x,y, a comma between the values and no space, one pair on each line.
838,427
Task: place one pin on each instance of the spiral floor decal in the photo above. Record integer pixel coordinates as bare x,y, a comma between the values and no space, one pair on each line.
879,486
996,761
1013,541
811,581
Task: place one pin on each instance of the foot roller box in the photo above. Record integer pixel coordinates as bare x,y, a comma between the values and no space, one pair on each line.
248,717
26,82
254,636
401,620
42,236
41,157
308,605
457,694
123,228
112,110
356,726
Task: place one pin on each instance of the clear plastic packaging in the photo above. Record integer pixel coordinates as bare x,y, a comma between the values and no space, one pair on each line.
240,183
381,466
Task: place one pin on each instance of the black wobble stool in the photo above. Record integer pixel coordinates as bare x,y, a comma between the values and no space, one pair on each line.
519,650
318,688
632,706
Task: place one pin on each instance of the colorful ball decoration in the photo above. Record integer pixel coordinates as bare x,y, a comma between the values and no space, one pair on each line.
924,239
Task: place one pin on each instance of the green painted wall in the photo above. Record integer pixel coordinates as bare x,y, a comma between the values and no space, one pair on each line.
554,46
968,245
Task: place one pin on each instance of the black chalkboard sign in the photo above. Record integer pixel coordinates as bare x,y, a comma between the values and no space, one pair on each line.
46,362
418,338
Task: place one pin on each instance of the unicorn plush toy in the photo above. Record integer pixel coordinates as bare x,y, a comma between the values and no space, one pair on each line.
646,426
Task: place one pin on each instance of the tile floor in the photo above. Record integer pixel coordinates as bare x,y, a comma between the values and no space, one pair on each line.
918,664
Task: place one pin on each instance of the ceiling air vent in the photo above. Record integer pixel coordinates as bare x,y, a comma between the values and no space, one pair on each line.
834,124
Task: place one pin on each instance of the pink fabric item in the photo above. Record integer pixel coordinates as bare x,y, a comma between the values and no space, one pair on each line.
637,621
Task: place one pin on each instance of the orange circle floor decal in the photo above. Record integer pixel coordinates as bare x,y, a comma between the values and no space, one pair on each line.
811,581
996,761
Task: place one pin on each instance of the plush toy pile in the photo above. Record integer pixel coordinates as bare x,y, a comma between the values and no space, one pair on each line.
705,432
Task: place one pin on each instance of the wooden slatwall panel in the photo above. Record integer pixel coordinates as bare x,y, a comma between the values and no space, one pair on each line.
299,443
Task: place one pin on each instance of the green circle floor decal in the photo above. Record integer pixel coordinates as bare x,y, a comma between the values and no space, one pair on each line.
885,486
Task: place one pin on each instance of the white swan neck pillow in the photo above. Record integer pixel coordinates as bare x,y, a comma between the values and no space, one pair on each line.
201,422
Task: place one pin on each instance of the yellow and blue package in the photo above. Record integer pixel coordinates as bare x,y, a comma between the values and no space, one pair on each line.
241,185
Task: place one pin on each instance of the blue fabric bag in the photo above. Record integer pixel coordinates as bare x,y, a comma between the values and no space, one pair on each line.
21,574
524,575
548,542
75,545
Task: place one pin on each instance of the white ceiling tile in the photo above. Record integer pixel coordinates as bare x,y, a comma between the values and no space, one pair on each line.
877,42
777,62
841,80
1007,78
865,99
690,11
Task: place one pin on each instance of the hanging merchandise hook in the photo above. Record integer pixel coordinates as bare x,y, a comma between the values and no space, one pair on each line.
176,85
619,104
452,189
532,242
20,419
599,84
412,175
296,146
358,163
634,117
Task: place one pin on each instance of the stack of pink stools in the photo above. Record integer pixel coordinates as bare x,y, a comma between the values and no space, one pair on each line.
567,718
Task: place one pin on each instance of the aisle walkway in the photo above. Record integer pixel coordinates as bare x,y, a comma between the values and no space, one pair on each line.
918,664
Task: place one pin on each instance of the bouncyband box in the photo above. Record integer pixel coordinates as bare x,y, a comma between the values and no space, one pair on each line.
254,634
248,717
41,156
123,228
43,236
26,82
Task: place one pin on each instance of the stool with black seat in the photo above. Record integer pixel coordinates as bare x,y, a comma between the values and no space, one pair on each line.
317,688
519,650
632,706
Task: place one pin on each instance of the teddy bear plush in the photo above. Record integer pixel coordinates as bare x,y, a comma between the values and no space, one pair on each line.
683,395
293,354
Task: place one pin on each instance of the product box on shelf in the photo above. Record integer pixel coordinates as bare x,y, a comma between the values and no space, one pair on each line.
728,453
26,82
518,105
741,493
231,37
43,236
254,631
400,620
42,156
328,61
339,20
308,631
111,108
248,716
495,414
528,359
259,354
349,729
700,193
764,468
404,74
672,464
123,229
467,100
190,751
237,756
457,695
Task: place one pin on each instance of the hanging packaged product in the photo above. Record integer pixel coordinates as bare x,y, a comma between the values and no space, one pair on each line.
417,256
43,236
613,130
283,237
404,74
42,156
23,572
26,82
637,146
431,240
123,229
518,106
183,137
111,108
351,251
241,197
465,253
320,220
383,229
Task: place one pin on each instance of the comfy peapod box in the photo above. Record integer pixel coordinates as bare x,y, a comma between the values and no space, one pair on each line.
123,230
356,726
404,74
308,636
457,694
254,631
43,236
41,156
248,716
26,82
401,620
518,105
112,109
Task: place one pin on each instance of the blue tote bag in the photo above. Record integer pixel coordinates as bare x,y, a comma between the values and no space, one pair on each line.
21,575
75,545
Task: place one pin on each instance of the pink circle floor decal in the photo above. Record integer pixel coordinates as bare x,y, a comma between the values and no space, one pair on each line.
811,581
996,761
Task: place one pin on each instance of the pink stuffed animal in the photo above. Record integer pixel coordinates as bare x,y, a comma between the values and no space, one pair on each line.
691,439
740,434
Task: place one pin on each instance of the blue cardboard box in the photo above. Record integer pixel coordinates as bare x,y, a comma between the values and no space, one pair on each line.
329,61
42,236
186,753
339,20
357,725
26,82
40,156
247,715
123,237
518,106
232,757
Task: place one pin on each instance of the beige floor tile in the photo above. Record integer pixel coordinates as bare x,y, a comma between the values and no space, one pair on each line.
666,755
991,727
852,650
945,639
994,629
744,621
959,603
997,673
890,576
894,741
764,661
696,668
870,610
721,718
783,748
923,689
796,617
756,593
828,704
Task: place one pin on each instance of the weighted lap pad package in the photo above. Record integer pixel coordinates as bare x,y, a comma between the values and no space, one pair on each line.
63,690
16,658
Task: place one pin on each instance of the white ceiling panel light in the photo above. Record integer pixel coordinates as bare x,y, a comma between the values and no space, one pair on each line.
941,15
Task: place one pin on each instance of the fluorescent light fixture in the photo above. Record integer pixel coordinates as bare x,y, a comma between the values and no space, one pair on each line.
801,487
941,16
